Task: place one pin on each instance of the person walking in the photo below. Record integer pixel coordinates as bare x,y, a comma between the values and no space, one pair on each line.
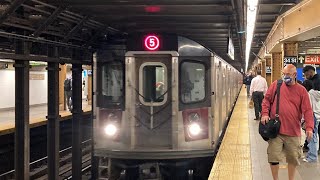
257,90
294,103
248,80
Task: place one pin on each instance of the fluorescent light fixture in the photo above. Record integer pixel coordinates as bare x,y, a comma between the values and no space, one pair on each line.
252,6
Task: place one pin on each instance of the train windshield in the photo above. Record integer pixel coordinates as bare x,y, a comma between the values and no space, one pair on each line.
192,82
112,81
153,83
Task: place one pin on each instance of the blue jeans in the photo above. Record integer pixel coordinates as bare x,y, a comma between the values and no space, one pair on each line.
312,155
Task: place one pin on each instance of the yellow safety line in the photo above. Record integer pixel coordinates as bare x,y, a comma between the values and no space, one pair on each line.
233,160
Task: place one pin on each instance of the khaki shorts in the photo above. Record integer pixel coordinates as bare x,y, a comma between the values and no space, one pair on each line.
285,145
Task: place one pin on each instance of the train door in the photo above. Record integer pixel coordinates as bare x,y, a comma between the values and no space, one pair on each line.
227,90
218,97
153,101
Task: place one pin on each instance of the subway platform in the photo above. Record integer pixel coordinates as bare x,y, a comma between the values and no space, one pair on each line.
37,117
243,153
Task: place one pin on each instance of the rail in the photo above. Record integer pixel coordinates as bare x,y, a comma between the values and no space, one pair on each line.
38,168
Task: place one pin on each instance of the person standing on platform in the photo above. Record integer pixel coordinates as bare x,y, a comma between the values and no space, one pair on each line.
68,92
312,155
257,90
294,103
310,74
248,80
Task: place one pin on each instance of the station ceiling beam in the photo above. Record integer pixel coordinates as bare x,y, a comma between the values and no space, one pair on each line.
278,2
75,29
48,21
12,8
145,3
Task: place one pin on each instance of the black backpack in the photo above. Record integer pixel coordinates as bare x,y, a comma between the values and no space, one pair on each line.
67,85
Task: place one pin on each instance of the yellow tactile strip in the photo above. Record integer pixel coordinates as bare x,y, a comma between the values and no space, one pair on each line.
233,161
35,122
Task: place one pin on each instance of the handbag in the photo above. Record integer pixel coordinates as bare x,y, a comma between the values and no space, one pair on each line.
271,129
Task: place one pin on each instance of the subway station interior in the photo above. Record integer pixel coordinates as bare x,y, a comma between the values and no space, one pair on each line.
151,89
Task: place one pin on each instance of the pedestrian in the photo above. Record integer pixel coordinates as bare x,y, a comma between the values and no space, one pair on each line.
294,103
68,92
248,80
309,72
257,90
312,155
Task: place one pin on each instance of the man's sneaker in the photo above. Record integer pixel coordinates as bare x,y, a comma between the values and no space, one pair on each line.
309,160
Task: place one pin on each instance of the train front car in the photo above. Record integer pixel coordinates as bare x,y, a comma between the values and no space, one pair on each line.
153,111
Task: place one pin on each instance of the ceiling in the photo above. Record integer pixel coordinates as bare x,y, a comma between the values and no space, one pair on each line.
268,12
84,23
205,21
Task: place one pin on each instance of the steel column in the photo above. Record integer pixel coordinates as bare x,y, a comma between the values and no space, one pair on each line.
53,116
76,121
22,132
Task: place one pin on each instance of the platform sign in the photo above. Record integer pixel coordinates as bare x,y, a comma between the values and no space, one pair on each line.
151,42
268,70
290,60
312,59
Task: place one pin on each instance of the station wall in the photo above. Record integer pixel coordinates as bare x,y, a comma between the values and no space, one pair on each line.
37,92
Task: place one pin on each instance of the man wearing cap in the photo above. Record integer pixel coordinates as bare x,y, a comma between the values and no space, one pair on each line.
294,103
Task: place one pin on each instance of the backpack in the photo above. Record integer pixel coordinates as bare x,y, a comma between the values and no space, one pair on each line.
67,85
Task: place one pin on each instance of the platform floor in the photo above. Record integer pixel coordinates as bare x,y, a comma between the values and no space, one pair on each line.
37,117
243,153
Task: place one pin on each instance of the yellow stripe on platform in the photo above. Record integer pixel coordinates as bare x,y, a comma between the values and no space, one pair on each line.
233,161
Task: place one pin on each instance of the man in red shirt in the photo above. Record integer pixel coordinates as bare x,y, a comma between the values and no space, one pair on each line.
294,103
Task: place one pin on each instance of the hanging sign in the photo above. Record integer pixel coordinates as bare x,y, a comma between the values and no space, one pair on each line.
312,59
152,42
290,60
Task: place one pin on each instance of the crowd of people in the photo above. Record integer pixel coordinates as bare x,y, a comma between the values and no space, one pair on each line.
299,108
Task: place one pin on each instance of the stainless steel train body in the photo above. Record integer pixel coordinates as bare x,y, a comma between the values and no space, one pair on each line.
171,102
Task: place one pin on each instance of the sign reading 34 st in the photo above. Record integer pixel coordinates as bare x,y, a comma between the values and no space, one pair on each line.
290,60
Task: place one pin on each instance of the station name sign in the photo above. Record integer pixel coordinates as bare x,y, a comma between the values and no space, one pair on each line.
290,60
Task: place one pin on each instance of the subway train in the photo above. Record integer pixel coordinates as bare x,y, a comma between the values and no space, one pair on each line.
161,104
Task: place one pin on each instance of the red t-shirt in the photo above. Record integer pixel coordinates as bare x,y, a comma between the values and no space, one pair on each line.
294,102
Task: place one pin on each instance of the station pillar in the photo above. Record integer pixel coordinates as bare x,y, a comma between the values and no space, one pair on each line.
276,66
263,68
62,77
268,66
89,85
22,114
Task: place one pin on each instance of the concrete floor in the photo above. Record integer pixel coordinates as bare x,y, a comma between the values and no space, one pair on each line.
260,166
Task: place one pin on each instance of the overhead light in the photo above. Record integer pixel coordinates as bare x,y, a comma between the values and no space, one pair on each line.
252,7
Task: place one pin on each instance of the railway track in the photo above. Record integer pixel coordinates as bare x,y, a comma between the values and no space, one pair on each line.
38,168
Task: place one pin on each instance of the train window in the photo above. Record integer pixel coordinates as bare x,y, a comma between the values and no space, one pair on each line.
192,82
153,83
112,81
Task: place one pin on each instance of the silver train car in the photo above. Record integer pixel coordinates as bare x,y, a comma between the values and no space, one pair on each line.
161,103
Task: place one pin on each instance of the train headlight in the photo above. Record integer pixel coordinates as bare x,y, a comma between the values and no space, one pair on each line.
110,129
194,129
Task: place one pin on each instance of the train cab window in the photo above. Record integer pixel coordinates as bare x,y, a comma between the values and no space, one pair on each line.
112,81
153,83
192,82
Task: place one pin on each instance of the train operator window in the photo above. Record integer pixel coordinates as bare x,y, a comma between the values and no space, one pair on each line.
153,83
112,81
192,82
